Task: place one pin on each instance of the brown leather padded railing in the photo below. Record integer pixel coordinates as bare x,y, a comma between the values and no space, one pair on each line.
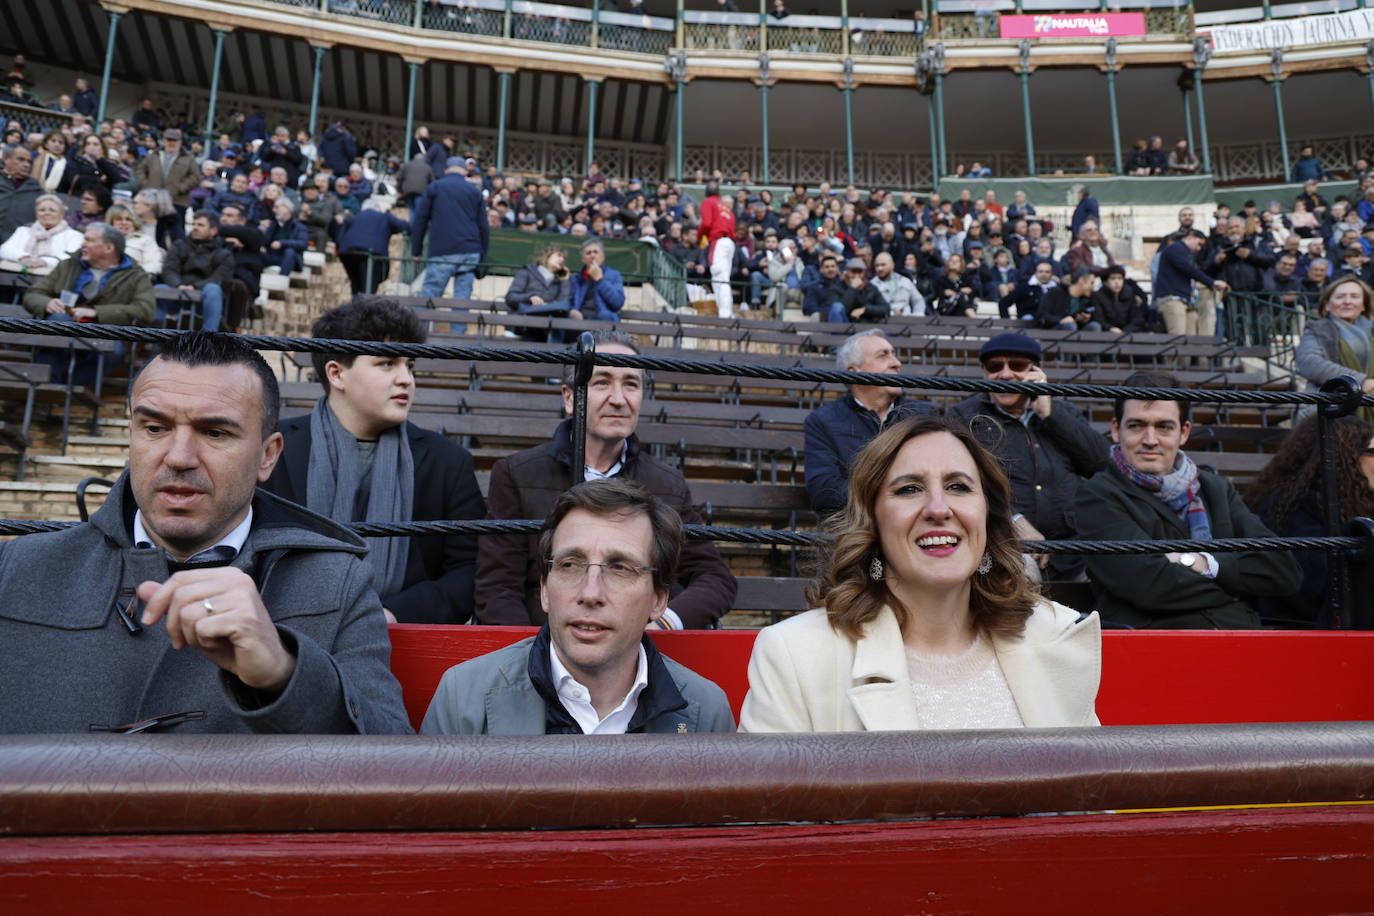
185,784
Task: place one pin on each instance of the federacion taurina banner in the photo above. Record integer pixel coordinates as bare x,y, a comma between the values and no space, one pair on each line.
1357,25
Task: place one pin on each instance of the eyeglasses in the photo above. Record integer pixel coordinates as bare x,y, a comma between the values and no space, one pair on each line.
1015,363
572,573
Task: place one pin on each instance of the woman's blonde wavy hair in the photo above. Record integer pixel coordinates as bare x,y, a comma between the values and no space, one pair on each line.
1001,600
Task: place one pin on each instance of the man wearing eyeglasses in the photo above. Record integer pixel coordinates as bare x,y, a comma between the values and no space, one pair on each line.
1045,445
610,551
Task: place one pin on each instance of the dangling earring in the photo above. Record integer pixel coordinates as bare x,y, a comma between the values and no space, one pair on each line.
875,569
985,565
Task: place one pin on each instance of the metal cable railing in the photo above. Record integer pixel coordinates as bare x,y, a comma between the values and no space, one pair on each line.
1338,398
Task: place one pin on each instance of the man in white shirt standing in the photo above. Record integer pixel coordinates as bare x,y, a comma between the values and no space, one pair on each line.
610,551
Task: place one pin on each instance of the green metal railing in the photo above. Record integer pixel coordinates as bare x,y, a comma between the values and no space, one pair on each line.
696,30
664,273
1265,320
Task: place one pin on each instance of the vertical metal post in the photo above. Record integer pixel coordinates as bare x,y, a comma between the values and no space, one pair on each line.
418,19
109,66
847,87
1268,11
764,171
1111,102
849,132
414,66
1339,580
676,65
214,85
1369,72
1202,53
763,26
937,59
586,350
844,27
1024,73
1188,119
502,103
505,22
1283,130
934,145
591,119
596,23
315,91
681,28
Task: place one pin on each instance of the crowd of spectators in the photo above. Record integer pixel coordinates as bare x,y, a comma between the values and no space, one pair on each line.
210,217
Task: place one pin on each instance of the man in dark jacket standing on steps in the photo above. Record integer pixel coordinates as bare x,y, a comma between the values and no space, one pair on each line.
839,429
526,485
201,263
453,213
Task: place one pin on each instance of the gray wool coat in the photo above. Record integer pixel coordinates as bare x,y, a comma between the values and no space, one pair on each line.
493,695
71,661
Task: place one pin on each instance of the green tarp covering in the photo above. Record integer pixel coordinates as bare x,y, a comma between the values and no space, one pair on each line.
1109,190
511,249
1284,194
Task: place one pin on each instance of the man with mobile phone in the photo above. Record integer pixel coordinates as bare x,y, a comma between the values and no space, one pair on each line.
1045,445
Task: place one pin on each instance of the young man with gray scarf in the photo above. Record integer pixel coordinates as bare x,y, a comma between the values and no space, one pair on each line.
355,457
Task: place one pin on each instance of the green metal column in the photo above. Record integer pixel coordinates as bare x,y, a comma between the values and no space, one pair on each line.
1188,119
505,22
591,119
414,66
1024,73
1277,83
1369,73
315,91
937,59
214,85
502,103
418,19
677,69
764,170
934,144
1268,12
109,66
1202,53
1111,101
844,27
941,139
596,24
848,89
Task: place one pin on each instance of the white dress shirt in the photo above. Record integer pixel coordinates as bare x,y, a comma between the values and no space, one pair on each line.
577,699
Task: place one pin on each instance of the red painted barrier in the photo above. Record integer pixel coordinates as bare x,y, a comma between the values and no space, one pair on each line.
1148,677
1293,862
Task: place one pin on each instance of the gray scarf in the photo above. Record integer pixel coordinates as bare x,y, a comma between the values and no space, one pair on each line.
336,477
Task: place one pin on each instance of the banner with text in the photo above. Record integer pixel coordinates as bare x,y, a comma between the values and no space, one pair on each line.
1073,25
1357,25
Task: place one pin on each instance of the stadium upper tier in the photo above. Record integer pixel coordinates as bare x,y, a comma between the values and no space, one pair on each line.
668,43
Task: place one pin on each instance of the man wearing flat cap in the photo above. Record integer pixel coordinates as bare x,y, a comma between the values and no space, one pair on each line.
1044,444
861,300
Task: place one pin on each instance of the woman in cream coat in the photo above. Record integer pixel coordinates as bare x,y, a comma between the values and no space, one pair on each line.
928,620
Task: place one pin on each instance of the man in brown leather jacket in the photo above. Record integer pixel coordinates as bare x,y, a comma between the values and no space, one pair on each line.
526,484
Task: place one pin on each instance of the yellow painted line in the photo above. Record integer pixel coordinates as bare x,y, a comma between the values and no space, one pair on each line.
1242,807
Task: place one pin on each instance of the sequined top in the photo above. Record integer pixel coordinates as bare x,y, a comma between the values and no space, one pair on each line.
967,690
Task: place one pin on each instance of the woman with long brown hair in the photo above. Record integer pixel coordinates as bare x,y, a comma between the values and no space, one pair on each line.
1289,498
927,619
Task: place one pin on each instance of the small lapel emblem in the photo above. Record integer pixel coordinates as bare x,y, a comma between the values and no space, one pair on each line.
682,728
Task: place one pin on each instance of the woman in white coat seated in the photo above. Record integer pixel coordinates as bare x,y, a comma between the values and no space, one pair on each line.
138,239
44,243
927,617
